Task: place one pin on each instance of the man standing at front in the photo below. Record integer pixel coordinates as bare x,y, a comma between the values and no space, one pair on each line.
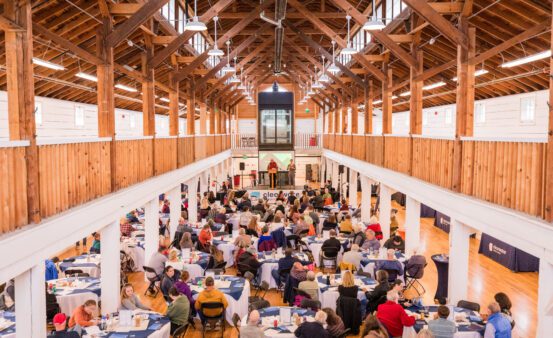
292,173
272,168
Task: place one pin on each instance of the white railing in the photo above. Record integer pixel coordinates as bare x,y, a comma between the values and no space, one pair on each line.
244,141
308,141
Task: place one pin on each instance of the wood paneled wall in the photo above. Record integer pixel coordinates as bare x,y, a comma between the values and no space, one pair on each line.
510,174
13,189
433,161
185,155
135,162
165,155
72,174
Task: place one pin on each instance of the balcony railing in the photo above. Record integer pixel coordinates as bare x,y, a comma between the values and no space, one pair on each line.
308,141
510,173
244,141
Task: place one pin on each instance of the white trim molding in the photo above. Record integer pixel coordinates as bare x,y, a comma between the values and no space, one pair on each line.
434,137
133,138
14,144
506,139
54,141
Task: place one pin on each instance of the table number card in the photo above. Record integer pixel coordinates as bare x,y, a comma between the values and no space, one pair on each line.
125,318
285,315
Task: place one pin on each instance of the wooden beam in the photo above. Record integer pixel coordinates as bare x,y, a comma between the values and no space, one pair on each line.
437,21
435,70
184,37
21,99
125,29
148,91
549,150
527,34
9,26
399,52
123,9
324,52
368,99
415,101
387,101
354,118
191,109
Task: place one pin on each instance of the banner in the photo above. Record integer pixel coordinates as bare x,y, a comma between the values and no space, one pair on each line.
442,221
271,195
507,255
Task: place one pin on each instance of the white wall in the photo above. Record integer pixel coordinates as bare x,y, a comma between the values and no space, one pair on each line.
247,126
58,120
305,126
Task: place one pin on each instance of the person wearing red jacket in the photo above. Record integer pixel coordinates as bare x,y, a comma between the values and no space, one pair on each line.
393,316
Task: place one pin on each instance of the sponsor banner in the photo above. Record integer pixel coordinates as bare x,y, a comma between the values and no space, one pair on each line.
507,255
271,195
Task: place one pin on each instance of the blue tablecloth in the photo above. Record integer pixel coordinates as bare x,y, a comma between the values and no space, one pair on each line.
367,259
156,322
507,255
442,265
275,311
365,280
267,256
94,286
476,323
10,330
236,285
442,221
72,265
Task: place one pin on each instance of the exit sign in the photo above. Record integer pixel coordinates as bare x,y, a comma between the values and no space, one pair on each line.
307,110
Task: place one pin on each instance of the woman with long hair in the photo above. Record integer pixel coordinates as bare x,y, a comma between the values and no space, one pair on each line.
129,300
334,324
373,328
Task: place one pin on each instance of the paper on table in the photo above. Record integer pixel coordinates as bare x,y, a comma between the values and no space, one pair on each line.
222,284
271,332
92,330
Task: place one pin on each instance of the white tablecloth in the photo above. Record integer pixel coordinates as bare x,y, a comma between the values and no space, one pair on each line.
163,332
135,252
194,270
409,332
80,261
315,248
330,296
69,301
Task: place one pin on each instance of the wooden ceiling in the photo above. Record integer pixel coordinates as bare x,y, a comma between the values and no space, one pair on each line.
61,26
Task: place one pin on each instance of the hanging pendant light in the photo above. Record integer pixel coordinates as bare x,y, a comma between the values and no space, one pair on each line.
234,78
374,24
228,68
215,51
195,25
349,50
333,68
324,78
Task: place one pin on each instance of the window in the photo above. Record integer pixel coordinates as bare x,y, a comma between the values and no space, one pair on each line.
479,113
38,113
448,116
79,116
132,120
181,23
527,109
425,117
171,13
181,126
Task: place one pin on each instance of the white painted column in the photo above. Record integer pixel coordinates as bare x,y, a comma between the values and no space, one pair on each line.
385,210
151,229
335,175
192,200
458,276
545,298
174,196
412,224
353,188
366,188
322,167
30,303
203,183
110,265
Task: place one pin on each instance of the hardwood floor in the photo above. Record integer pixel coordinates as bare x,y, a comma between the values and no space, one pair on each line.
486,278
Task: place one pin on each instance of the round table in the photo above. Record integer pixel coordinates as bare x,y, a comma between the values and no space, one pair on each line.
8,331
468,328
134,247
328,295
73,292
86,263
369,261
195,268
270,263
442,265
157,326
315,244
236,290
270,314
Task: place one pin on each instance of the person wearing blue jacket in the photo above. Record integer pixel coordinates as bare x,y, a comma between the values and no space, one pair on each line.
498,325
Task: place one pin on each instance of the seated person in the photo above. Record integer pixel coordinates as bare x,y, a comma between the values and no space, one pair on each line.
178,310
252,330
277,223
291,198
221,217
205,235
348,287
377,295
210,295
375,226
334,324
346,226
353,257
259,208
245,217
60,325
129,299
170,277
314,215
414,267
280,207
125,227
396,243
302,228
285,263
299,272
441,327
332,246
371,243
186,241
95,248
242,239
265,236
248,262
310,286
358,235
330,223
344,205
498,325
183,226
182,286
216,257
393,316
158,259
294,214
318,201
252,226
390,263
314,328
84,315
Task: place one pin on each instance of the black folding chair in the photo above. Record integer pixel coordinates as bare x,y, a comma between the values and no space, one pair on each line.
412,280
217,272
153,289
213,319
236,321
292,241
465,304
73,272
312,304
392,274
180,332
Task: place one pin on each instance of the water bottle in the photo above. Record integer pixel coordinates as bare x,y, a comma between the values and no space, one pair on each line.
327,279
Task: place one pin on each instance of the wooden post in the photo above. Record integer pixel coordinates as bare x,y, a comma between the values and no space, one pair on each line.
148,90
173,106
337,117
415,102
203,118
369,95
106,100
344,112
219,115
21,99
354,117
191,110
212,120
549,165
465,102
387,101
330,119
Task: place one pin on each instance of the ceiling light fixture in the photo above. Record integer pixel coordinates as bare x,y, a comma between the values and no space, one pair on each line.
476,74
215,51
195,25
434,85
405,94
228,68
333,68
164,99
324,78
527,59
348,50
87,76
125,87
374,24
47,64
377,102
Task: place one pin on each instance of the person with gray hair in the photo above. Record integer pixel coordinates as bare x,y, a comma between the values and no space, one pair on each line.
390,263
310,286
359,236
425,333
498,324
353,256
371,243
313,329
252,330
393,316
242,240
